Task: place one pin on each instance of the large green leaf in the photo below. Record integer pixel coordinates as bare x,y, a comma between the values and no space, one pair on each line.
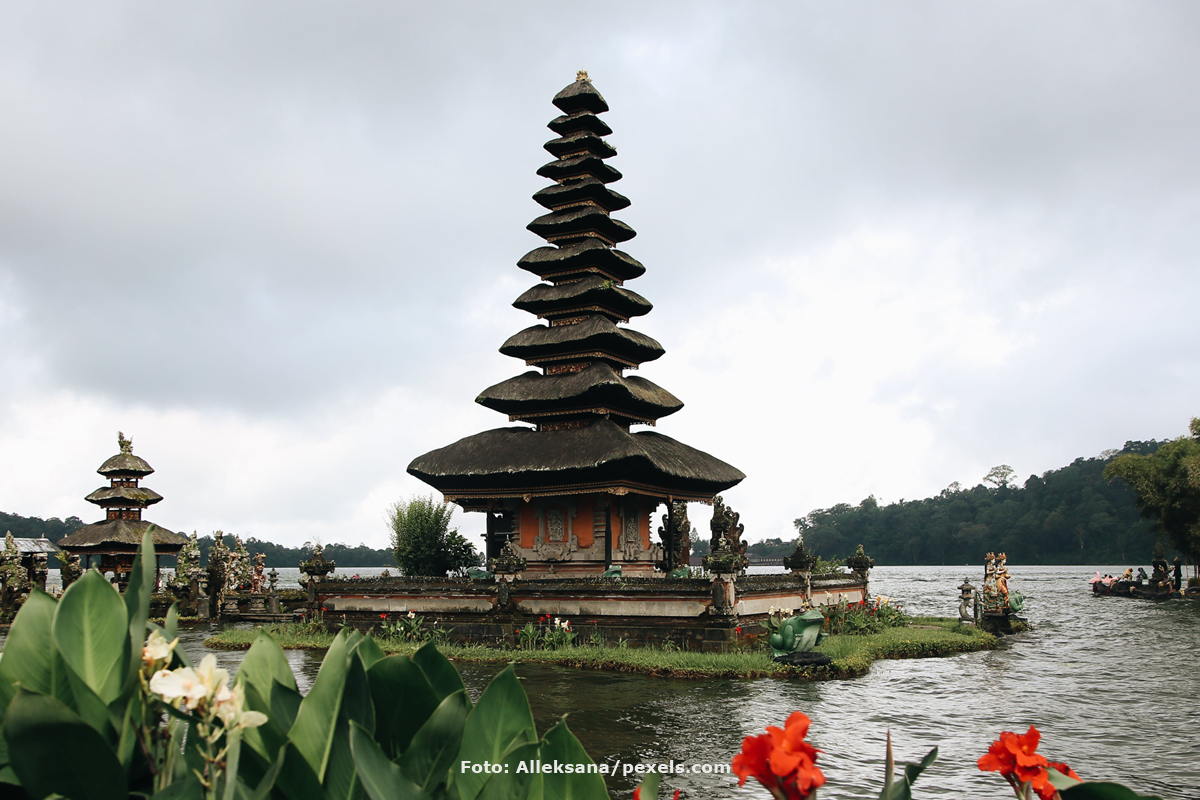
31,657
500,721
40,730
561,747
92,633
341,777
442,675
317,718
382,779
369,652
648,790
1102,790
518,779
296,779
265,663
902,790
403,701
188,788
137,605
431,755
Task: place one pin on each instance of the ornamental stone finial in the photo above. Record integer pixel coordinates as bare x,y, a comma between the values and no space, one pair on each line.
126,445
582,75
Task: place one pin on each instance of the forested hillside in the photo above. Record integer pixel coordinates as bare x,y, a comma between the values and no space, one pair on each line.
1066,516
280,556
38,528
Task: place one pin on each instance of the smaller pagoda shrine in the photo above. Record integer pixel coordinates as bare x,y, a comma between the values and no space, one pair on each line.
118,536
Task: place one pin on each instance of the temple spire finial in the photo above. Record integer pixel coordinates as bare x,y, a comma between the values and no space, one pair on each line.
126,445
582,75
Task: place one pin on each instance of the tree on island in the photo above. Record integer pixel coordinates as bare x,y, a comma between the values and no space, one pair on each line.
424,543
1167,488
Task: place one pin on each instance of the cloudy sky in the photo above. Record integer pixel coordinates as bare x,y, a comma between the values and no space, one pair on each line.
889,245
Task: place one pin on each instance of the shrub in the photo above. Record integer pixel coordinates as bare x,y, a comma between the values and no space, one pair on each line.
424,543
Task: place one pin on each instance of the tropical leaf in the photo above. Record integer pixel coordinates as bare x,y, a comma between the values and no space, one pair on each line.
442,675
137,605
91,631
265,664
316,720
382,779
560,746
341,778
39,729
649,787
1102,790
31,657
500,721
369,652
430,756
517,779
403,700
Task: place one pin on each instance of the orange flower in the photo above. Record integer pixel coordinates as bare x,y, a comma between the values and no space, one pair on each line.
781,760
1016,758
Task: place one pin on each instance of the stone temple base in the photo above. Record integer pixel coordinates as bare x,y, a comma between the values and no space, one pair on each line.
695,613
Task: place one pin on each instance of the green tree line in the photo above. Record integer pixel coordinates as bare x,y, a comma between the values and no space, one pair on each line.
1072,515
278,555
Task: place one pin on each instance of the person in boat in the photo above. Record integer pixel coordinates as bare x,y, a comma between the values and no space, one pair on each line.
1178,578
1142,576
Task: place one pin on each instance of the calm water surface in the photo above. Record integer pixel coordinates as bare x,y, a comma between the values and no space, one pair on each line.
1111,683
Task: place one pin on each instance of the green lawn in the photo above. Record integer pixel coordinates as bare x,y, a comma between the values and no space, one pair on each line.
852,655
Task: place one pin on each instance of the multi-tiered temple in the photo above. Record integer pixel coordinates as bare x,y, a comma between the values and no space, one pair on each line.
117,537
575,492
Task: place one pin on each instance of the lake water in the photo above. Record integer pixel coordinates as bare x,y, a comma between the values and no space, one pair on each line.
1112,684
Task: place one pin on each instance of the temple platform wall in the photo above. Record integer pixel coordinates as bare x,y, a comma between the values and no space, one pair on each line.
694,612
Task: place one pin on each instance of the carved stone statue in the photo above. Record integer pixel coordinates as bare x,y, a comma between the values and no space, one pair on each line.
727,551
676,535
257,579
71,570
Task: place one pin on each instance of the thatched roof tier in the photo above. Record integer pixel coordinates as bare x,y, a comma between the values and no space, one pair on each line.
120,496
578,143
121,535
583,166
581,191
581,258
593,334
603,456
571,123
580,221
580,96
125,464
29,546
597,385
591,293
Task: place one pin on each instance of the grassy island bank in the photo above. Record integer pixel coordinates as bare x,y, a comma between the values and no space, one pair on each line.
852,654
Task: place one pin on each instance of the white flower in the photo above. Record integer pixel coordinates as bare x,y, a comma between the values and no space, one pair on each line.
772,610
567,624
157,648
412,614
558,622
179,685
231,710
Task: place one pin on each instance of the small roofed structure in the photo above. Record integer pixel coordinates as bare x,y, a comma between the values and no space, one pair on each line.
116,539
572,490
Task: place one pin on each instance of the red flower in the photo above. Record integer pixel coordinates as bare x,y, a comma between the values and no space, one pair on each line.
1015,757
738,629
323,608
383,615
781,760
